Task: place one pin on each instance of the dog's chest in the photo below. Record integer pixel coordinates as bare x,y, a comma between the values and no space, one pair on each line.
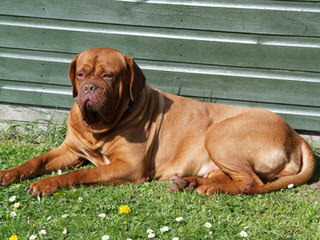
96,157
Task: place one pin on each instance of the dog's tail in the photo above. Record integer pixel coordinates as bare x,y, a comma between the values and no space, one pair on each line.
306,173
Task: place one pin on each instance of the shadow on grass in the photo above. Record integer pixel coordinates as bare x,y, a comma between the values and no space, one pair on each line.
315,181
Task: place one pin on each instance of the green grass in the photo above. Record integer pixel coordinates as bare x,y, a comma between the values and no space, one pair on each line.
288,214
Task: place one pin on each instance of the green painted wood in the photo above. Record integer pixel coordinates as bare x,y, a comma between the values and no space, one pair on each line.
259,53
34,71
35,94
301,118
239,88
186,79
229,49
46,95
34,66
255,16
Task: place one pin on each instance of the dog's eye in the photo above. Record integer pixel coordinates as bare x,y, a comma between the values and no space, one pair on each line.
80,75
106,76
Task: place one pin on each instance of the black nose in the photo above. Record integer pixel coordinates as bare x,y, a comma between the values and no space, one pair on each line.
90,88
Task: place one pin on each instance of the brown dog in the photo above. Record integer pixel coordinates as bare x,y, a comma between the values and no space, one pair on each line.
132,133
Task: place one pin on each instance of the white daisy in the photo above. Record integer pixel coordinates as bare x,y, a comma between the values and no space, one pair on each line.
164,229
179,219
12,199
105,237
65,231
43,232
13,214
151,235
33,237
243,234
207,225
17,205
102,215
150,230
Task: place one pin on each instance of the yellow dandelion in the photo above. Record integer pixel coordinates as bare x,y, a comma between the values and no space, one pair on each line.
13,237
58,194
124,209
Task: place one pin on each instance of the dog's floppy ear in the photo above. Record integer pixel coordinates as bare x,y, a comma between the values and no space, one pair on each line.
72,75
137,78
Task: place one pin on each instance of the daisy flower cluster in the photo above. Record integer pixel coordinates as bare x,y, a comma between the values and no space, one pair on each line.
15,206
40,234
123,209
151,233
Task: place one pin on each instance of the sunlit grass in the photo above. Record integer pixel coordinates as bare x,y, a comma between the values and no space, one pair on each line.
129,211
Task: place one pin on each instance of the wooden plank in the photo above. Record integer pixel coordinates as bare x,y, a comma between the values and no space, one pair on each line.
299,117
255,16
34,66
298,88
242,50
38,71
35,94
238,88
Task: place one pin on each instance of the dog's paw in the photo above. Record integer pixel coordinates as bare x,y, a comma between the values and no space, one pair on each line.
43,187
207,189
181,184
8,177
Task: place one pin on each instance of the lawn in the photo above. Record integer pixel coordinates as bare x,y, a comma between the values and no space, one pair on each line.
93,212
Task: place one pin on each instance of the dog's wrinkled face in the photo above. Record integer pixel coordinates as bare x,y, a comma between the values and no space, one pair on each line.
103,81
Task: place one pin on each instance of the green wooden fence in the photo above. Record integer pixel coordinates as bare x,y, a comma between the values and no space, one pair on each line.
257,53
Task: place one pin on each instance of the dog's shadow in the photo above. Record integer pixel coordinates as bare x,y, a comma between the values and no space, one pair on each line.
150,118
315,181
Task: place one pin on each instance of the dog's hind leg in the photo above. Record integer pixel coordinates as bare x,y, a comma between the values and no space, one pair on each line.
239,184
218,182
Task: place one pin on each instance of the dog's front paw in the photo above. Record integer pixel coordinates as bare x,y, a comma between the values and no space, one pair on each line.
8,176
43,187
